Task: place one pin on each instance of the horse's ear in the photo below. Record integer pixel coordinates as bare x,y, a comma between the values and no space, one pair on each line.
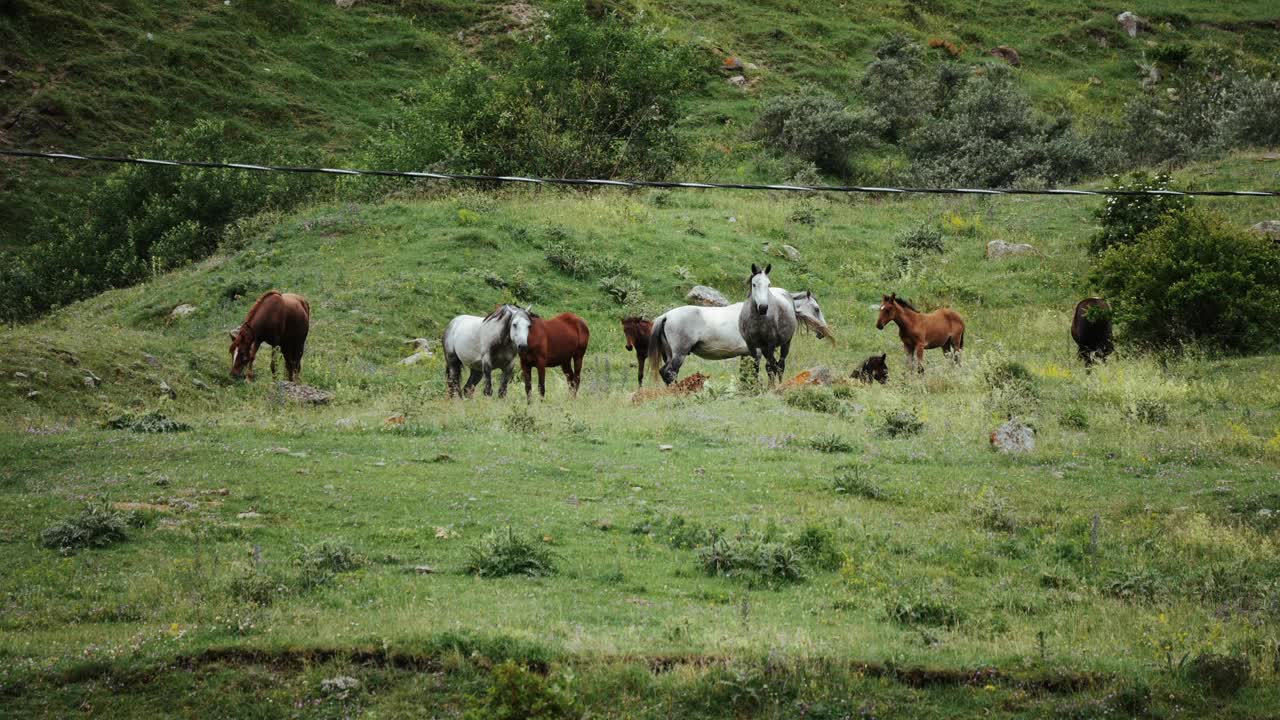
234,335
808,294
883,356
754,270
893,297
768,268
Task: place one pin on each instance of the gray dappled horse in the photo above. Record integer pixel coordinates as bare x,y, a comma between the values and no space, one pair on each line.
767,324
484,344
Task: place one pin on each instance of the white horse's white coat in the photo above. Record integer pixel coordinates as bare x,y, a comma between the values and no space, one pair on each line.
483,345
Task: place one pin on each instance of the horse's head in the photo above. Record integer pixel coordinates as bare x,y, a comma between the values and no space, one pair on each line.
760,295
243,350
888,310
876,368
520,321
810,313
635,330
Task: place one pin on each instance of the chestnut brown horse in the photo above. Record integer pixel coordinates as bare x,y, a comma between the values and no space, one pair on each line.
280,320
560,341
919,331
637,331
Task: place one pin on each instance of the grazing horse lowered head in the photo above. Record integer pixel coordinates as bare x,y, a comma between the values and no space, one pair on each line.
637,330
484,344
560,341
767,324
942,328
280,320
1091,329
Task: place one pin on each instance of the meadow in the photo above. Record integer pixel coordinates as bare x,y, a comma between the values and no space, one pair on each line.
857,550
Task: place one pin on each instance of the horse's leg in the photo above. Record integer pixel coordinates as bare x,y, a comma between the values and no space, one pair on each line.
911,358
640,368
577,373
502,386
526,370
473,379
783,351
488,378
542,379
567,368
920,358
273,362
671,370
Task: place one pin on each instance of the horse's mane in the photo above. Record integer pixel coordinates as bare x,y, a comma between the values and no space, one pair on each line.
253,311
634,321
905,304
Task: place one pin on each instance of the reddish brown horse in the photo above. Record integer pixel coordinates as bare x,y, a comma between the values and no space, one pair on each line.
560,341
637,331
280,320
919,331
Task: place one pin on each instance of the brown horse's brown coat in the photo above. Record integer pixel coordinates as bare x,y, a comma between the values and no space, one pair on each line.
560,341
637,331
280,320
942,328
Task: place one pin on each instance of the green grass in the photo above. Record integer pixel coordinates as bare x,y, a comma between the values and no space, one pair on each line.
955,560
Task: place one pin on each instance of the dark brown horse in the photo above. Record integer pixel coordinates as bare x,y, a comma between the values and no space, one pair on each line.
919,331
637,331
280,320
1091,329
560,341
874,369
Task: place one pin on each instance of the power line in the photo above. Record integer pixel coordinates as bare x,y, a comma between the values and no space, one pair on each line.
32,154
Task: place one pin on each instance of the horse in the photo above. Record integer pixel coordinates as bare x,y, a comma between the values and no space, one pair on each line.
712,333
874,369
636,330
483,344
767,324
280,320
1091,329
919,331
561,341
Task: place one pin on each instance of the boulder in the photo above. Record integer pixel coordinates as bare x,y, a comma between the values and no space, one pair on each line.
739,81
151,360
786,251
997,249
707,296
1007,54
167,390
1267,229
1131,23
303,393
181,311
422,351
733,63
344,4
818,375
1014,437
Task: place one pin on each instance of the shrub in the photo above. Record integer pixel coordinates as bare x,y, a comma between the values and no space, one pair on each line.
1125,217
751,555
96,526
923,607
623,290
318,564
676,531
816,545
1195,278
900,423
516,693
502,552
830,443
520,420
814,127
922,240
897,88
581,97
1222,674
152,422
253,585
1075,418
992,511
814,400
852,482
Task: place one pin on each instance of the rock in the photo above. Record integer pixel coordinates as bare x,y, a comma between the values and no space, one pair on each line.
91,380
818,375
1007,54
423,569
303,393
181,311
345,423
279,451
1132,23
707,296
250,515
738,81
33,394
665,448
997,249
1268,229
1014,437
344,4
151,360
165,389
199,384
397,419
733,63
149,507
342,684
791,253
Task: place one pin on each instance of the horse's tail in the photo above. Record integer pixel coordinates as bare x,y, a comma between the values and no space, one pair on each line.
659,351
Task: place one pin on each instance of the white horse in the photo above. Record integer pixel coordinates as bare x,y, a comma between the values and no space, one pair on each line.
484,344
767,323
712,333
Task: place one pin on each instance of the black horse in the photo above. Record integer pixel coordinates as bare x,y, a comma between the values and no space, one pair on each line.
1091,329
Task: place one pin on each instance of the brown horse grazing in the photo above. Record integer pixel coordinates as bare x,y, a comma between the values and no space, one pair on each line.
637,331
280,320
560,341
1091,329
919,331
874,369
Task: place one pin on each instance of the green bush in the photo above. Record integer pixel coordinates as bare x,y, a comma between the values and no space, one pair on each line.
1124,217
581,96
830,443
814,400
318,564
143,219
751,555
1195,278
676,531
516,693
96,526
926,607
816,545
900,423
503,552
813,126
851,481
898,88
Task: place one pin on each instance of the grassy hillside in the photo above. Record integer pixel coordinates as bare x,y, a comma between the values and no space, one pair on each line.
963,581
315,78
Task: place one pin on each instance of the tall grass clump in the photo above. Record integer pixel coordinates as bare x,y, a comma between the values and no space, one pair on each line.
95,526
504,552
